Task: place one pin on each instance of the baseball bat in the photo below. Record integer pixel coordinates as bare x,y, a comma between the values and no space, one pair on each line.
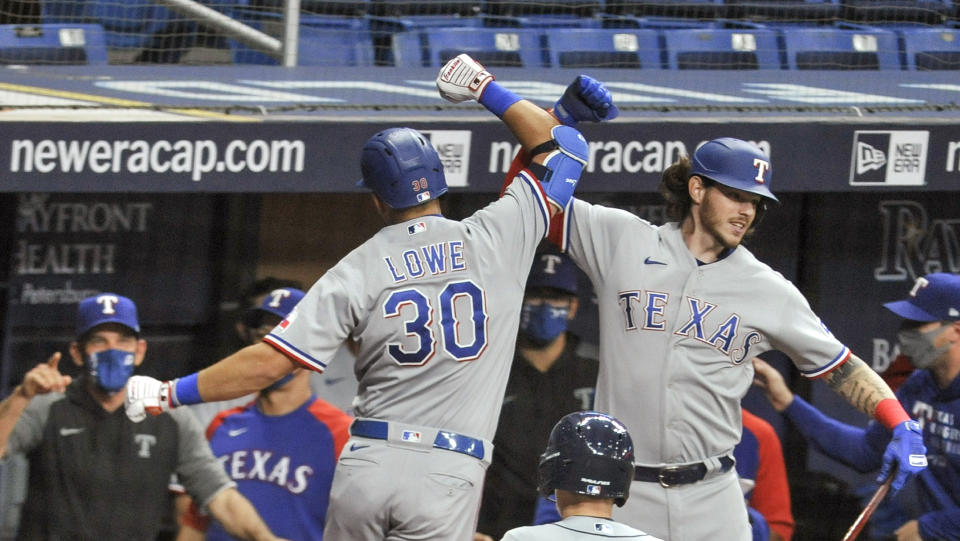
864,516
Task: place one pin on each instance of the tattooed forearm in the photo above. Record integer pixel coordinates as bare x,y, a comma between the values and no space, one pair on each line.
859,384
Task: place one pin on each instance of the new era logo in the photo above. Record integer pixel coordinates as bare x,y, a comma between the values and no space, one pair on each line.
889,158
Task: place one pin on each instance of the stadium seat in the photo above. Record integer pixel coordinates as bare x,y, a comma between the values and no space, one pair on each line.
841,48
896,11
490,46
542,13
606,48
323,42
784,11
722,48
130,23
929,49
694,9
52,44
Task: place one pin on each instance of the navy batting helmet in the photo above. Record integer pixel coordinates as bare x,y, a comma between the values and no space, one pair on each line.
734,163
588,453
401,166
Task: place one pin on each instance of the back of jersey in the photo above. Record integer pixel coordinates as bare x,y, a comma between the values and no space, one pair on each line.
433,306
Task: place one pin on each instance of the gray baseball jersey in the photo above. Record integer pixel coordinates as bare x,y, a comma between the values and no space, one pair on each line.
577,528
676,337
433,305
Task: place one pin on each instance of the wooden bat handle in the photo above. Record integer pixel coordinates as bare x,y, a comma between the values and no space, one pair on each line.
864,516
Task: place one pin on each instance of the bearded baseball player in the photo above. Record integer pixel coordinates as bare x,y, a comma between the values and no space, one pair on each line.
683,308
432,306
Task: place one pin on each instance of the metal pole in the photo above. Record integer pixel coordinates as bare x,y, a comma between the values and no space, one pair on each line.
291,32
231,27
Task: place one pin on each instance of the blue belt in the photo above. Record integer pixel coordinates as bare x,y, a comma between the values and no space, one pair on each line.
450,441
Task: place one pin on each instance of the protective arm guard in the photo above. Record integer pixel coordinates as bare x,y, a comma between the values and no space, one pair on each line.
569,152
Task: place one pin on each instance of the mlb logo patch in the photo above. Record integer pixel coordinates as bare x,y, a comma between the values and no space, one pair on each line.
600,527
423,196
418,227
593,490
410,436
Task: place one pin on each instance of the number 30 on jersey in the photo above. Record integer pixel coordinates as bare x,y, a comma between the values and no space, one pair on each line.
467,295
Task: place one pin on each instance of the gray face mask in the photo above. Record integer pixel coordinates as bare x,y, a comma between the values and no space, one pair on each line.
919,346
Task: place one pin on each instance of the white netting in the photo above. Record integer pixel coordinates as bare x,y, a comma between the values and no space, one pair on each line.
663,35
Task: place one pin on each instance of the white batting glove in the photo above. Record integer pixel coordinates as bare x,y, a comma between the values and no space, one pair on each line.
146,395
463,78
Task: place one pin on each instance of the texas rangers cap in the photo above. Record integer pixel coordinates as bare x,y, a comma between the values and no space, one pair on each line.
280,301
106,308
555,270
934,297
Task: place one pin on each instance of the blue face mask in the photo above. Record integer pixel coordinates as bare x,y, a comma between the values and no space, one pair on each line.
541,323
110,368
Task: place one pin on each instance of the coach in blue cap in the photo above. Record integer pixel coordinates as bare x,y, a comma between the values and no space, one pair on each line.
547,381
94,474
929,336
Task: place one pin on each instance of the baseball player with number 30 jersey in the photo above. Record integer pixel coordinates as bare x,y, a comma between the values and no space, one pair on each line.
432,306
683,309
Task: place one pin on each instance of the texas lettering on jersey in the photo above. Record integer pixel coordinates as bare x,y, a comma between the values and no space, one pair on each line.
263,466
646,311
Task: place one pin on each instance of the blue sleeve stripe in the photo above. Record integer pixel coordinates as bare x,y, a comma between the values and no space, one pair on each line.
291,351
837,361
541,197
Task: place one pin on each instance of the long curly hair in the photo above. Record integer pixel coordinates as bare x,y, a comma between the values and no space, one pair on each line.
674,187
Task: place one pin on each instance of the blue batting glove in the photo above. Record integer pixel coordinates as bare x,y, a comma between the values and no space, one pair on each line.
586,99
905,451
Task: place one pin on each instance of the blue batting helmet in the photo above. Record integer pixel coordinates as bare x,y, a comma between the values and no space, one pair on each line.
734,163
588,453
401,166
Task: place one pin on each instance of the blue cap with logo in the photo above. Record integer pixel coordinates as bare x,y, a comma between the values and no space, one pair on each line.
554,270
280,301
106,308
934,297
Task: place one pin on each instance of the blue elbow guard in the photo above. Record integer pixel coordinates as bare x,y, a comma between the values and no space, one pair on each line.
564,164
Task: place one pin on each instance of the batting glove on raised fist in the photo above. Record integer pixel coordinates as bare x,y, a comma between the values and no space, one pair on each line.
146,395
586,99
462,79
905,451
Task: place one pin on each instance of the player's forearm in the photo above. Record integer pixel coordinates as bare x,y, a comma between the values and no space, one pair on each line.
10,410
529,123
244,372
237,515
863,388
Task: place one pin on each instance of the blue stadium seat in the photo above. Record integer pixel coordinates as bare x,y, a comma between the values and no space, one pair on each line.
491,46
542,13
129,23
610,20
606,48
826,48
694,9
805,11
930,49
722,48
52,44
64,11
324,41
896,11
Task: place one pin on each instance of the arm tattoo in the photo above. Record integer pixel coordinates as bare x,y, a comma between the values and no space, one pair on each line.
859,384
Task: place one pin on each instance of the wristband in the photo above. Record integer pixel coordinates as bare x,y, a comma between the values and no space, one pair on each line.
890,413
497,99
185,391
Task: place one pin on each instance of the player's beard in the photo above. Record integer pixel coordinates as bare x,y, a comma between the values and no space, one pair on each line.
717,222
